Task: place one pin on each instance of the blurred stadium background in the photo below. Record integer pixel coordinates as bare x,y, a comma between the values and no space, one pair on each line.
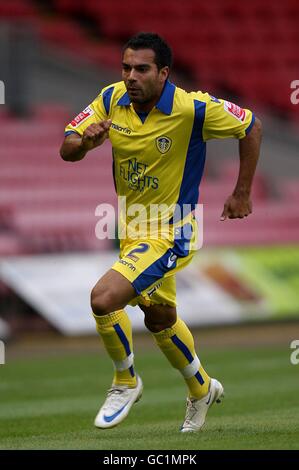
55,56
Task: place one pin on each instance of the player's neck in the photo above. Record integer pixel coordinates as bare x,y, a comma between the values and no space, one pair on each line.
145,107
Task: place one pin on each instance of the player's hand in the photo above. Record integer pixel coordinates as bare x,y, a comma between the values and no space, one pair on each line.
236,207
95,134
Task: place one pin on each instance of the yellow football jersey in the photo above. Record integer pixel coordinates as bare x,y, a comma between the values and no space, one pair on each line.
159,159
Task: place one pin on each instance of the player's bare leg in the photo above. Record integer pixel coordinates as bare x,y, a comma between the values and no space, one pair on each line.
108,299
159,317
176,341
112,292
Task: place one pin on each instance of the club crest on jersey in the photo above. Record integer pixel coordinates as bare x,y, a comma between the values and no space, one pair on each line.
163,143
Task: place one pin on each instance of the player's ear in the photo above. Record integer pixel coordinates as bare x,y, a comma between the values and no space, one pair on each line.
164,72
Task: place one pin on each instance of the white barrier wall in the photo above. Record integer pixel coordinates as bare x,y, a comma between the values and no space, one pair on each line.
220,286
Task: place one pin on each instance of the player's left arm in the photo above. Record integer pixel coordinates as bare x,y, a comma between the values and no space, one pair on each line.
238,204
222,120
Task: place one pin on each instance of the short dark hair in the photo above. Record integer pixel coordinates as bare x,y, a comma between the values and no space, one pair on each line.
163,52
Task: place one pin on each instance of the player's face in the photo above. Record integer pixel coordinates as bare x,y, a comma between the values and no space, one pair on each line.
143,80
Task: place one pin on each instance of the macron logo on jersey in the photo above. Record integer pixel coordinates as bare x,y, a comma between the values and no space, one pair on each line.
235,110
86,113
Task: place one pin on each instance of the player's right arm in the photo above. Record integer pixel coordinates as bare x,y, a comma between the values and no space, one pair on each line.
89,129
75,146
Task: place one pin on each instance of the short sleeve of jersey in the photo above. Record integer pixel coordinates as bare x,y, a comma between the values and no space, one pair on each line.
224,119
93,113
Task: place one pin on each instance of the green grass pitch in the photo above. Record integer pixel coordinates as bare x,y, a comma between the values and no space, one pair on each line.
50,403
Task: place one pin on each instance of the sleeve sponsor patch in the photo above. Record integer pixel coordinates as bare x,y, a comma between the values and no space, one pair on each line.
85,114
235,110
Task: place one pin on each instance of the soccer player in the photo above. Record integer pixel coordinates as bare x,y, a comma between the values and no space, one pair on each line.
158,134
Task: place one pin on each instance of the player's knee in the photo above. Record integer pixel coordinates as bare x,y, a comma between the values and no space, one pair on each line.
152,327
101,301
155,325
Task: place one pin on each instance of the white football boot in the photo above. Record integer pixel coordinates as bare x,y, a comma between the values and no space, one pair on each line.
120,399
197,409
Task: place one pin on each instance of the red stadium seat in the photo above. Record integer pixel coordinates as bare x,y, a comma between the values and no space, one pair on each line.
11,244
290,190
227,45
17,9
68,6
249,48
